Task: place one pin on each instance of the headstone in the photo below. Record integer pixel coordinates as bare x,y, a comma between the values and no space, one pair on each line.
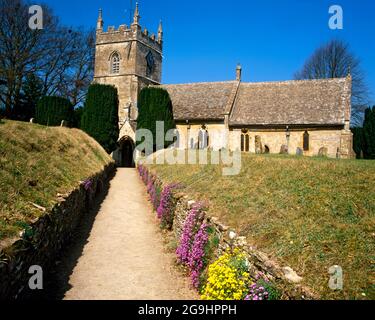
338,153
299,152
258,145
284,149
32,120
323,152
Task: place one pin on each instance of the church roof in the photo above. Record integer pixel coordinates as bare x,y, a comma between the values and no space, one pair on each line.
306,102
202,101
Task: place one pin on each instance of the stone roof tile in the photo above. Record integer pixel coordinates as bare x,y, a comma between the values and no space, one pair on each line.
306,102
201,101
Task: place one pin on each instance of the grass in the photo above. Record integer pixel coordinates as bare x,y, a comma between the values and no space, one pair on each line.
306,213
37,163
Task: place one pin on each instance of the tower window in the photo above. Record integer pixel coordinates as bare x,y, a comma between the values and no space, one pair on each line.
306,141
115,63
150,64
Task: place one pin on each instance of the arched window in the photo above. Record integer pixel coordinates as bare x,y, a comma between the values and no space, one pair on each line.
115,63
306,141
176,139
203,138
245,141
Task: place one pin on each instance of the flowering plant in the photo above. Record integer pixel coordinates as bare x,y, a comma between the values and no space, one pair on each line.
166,206
262,289
198,253
257,292
153,185
143,172
154,190
87,184
228,278
190,228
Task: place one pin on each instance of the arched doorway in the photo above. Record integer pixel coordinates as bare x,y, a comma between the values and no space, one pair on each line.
126,151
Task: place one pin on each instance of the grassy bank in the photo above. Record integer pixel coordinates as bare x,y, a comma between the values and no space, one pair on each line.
37,163
307,213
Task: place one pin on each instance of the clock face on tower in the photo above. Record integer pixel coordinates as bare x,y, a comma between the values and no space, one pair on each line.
150,63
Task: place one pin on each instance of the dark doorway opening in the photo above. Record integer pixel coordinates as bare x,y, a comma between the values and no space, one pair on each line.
127,150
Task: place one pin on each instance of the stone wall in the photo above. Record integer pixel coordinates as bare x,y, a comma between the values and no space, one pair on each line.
337,141
41,243
289,282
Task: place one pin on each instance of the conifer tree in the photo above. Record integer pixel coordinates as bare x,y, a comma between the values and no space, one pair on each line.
154,104
100,115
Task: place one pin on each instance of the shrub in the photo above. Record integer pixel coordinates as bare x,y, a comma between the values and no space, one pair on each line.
100,115
154,104
369,134
228,277
50,111
358,141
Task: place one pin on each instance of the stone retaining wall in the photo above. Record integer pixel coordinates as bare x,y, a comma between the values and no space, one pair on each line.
44,239
289,282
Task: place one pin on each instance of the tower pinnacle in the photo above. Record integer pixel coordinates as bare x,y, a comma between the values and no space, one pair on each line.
160,32
137,17
100,23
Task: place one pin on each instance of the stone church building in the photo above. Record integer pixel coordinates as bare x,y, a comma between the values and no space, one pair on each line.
309,117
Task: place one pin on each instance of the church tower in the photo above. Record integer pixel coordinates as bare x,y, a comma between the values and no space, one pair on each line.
130,59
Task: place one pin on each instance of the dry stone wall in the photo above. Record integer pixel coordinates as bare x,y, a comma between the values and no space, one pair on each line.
289,280
43,240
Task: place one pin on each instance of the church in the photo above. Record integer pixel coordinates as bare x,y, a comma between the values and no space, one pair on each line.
307,117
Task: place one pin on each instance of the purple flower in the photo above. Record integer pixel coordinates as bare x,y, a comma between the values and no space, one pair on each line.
189,230
165,209
196,257
257,291
87,184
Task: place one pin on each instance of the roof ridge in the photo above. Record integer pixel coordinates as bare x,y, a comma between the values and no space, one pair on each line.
295,81
200,83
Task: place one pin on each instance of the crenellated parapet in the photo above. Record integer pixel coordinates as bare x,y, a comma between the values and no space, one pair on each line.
128,33
124,33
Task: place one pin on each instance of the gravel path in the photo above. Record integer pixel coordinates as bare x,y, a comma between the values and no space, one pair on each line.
124,256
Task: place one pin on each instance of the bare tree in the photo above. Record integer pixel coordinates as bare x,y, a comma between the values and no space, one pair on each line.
59,56
18,50
335,60
78,77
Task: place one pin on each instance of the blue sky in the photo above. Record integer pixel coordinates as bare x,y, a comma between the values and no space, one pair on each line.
204,40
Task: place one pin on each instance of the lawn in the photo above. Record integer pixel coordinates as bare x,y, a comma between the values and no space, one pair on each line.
37,163
306,213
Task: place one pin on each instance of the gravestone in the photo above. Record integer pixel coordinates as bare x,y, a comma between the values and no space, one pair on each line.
284,149
258,145
338,153
323,152
299,152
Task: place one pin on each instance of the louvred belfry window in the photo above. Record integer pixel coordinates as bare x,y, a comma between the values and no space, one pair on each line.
115,63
